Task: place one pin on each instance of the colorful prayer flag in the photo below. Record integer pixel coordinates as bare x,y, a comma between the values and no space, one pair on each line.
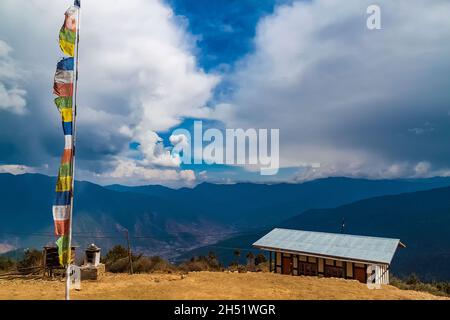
63,250
63,88
65,64
67,34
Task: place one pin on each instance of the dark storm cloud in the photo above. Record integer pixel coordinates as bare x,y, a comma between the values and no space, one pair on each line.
360,102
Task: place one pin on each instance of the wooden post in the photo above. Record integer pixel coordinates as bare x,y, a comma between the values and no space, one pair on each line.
129,252
270,261
44,262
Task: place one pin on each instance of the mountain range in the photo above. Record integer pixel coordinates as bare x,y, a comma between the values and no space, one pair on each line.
174,223
245,206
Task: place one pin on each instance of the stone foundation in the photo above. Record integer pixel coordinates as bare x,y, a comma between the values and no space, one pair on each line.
89,272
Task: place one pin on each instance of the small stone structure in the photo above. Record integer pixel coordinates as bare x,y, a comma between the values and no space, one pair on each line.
92,256
92,269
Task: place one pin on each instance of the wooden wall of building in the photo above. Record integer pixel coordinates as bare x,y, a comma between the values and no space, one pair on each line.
286,263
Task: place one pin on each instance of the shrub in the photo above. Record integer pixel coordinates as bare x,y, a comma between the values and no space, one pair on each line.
152,264
263,267
202,263
242,269
413,279
116,253
140,265
6,264
117,260
212,260
119,265
196,265
260,258
414,283
237,267
237,254
32,258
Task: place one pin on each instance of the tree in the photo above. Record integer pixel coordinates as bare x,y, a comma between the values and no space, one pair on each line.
250,261
260,258
212,260
6,263
116,253
32,258
250,258
413,279
212,256
237,254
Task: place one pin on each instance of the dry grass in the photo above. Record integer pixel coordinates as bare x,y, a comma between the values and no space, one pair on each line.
205,285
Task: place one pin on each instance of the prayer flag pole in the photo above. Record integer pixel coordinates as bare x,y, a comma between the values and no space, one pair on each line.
65,88
74,117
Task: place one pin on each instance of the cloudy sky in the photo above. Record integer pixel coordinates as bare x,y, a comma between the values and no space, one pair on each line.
360,102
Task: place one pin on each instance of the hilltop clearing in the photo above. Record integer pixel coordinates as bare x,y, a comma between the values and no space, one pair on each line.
205,285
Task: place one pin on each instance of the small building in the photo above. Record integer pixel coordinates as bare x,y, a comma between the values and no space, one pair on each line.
51,259
297,252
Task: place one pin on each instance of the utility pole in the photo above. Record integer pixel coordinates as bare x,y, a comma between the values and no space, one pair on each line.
129,251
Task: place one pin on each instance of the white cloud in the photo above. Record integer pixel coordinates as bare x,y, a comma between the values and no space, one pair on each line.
154,73
131,173
422,168
12,98
344,96
145,62
377,170
5,247
138,75
426,128
18,169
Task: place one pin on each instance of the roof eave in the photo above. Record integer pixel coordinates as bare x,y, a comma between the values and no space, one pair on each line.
321,255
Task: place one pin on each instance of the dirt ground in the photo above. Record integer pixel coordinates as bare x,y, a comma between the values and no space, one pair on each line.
204,285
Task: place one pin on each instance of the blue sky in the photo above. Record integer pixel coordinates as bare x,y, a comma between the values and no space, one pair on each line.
361,103
225,29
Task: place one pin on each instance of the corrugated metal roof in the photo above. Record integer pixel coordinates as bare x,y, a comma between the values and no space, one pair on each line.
345,246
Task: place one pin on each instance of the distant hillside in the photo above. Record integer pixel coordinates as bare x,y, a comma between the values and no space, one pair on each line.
249,206
169,222
157,226
225,249
420,219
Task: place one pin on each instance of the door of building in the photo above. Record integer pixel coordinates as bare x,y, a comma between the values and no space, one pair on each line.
360,274
287,265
